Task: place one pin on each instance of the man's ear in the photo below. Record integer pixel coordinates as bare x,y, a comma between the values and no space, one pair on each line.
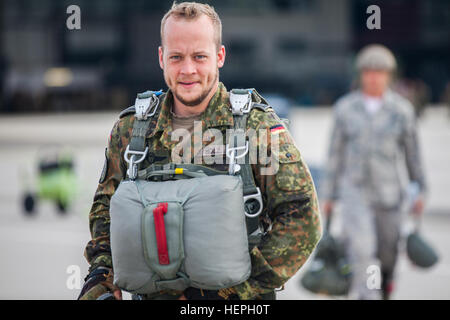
221,57
160,55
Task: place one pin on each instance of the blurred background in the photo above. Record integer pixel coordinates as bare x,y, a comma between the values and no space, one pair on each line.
61,91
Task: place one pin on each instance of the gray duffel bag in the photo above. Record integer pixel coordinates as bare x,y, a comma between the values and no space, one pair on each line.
205,234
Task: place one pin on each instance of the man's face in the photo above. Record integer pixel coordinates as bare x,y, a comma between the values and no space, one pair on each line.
374,82
190,59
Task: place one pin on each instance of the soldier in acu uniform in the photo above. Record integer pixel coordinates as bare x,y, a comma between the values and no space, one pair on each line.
190,56
374,133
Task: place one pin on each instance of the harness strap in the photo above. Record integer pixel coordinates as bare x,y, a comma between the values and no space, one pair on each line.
249,186
171,170
146,110
241,105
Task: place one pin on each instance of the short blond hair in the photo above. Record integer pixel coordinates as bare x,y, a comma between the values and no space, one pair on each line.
192,11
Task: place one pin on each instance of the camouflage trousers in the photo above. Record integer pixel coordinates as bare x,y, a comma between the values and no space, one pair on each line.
372,236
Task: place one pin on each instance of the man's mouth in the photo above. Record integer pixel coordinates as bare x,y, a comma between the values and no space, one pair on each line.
187,84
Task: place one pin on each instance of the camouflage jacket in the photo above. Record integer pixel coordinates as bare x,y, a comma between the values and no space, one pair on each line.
366,150
289,196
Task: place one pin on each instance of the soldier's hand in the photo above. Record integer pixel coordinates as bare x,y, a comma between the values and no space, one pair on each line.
98,282
418,206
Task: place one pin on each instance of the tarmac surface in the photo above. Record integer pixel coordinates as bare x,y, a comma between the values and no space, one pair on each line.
42,255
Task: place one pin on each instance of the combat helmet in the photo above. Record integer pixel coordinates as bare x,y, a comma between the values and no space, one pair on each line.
376,56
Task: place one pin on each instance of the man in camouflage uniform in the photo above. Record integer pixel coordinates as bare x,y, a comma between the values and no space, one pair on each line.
374,130
190,55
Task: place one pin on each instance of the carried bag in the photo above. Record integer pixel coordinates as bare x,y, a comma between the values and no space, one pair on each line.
329,272
419,250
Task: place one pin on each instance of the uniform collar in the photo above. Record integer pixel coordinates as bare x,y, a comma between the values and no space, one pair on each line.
386,98
218,113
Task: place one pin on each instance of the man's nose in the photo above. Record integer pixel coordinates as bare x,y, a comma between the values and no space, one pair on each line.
188,66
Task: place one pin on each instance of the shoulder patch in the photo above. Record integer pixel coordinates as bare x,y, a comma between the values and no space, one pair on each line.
277,128
127,111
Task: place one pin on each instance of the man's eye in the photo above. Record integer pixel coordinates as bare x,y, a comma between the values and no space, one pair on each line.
175,57
200,57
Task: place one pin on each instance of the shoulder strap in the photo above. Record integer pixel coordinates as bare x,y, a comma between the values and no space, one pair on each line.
241,105
127,111
260,106
146,109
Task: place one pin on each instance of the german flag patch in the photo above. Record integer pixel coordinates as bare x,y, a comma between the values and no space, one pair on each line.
278,128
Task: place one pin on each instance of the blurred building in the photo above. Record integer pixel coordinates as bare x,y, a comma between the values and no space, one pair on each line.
303,49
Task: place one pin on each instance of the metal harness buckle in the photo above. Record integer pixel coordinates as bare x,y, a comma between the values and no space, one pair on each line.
144,106
132,162
232,153
241,101
252,198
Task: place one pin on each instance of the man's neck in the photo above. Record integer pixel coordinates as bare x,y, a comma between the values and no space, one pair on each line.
182,110
373,97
